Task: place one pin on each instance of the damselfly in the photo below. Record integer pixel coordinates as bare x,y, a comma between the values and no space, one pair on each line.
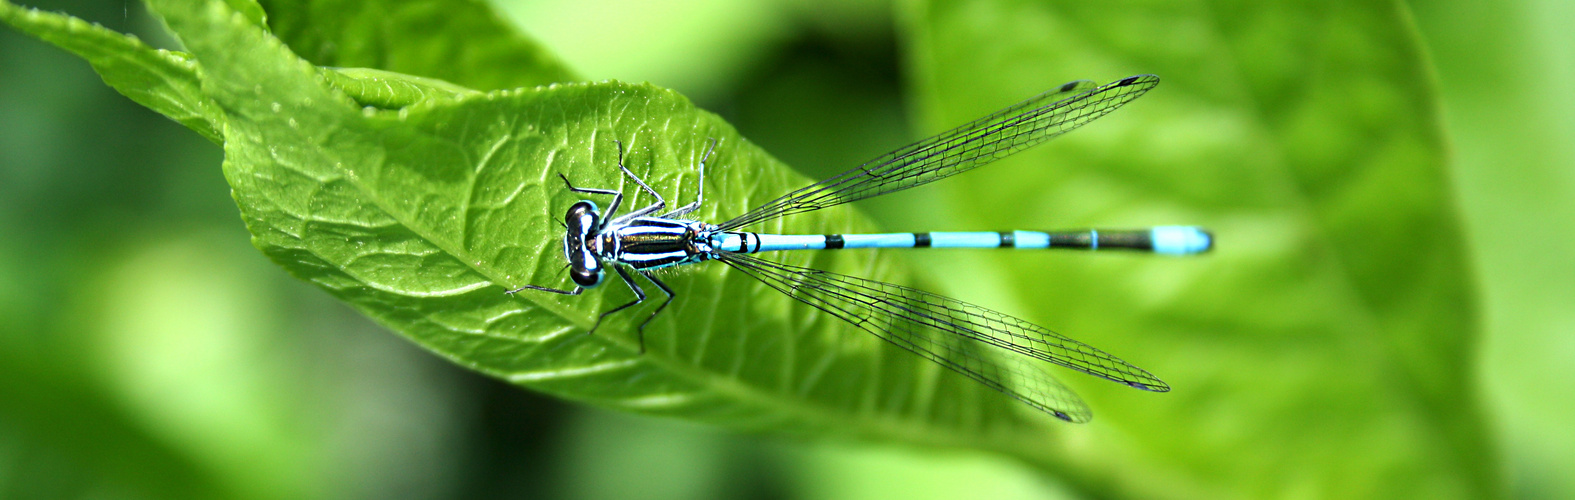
1000,351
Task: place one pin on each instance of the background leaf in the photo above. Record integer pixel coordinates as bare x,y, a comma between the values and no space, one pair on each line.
163,81
1307,138
463,41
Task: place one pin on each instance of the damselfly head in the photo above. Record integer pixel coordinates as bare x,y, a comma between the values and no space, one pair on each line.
581,226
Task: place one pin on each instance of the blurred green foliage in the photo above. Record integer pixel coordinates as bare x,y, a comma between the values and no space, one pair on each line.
1329,349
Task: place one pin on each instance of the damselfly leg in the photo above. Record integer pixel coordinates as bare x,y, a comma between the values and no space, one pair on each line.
670,296
639,296
649,209
700,197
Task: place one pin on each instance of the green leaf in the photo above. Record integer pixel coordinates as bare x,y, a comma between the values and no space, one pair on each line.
389,90
169,82
423,217
1324,349
164,81
464,41
251,9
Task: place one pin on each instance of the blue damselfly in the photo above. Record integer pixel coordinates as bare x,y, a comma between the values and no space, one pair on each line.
955,334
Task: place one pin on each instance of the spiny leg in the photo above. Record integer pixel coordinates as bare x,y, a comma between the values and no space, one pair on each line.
617,196
660,202
699,198
577,290
670,296
639,297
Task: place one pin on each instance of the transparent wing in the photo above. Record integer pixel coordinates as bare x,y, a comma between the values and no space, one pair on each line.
976,143
1000,351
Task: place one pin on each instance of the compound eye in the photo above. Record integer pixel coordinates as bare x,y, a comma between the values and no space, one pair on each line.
581,218
588,278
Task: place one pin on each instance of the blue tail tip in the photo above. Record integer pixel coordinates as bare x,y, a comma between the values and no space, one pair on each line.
1181,240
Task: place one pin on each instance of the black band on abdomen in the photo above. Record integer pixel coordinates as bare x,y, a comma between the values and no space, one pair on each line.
834,241
1103,239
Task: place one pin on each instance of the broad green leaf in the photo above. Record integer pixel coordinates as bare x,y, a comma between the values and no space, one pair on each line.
423,217
464,41
164,81
169,82
389,90
1324,349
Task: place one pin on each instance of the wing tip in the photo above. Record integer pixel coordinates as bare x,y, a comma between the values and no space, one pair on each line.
1135,79
1154,385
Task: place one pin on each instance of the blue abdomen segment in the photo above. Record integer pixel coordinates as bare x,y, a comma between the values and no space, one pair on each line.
1180,240
1169,240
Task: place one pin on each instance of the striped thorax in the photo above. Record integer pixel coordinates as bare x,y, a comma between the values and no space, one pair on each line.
654,242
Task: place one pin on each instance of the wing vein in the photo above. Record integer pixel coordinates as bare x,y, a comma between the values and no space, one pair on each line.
958,150
1000,351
